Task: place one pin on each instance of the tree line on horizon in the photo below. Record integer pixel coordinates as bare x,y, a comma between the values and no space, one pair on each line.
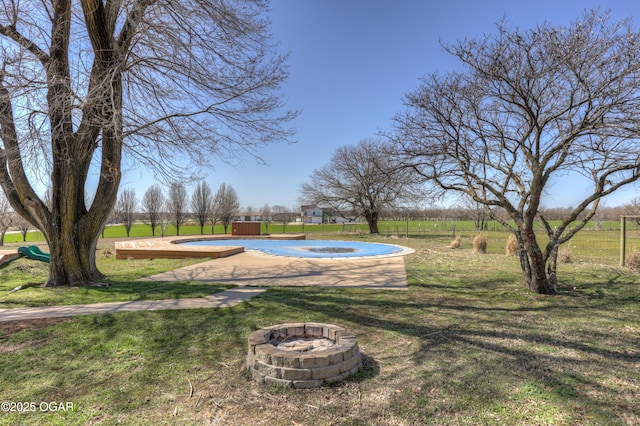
176,207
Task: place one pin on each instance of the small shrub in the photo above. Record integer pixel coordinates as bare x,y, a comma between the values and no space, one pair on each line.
455,244
564,254
512,245
633,261
480,244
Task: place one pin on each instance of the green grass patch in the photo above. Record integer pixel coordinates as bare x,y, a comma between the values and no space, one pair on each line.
465,344
121,283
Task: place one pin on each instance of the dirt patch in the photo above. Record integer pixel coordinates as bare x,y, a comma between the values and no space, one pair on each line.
12,327
331,250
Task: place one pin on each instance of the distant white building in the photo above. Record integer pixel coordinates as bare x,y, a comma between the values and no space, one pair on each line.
252,217
311,214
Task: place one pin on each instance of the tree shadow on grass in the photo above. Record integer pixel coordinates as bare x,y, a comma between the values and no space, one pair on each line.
173,289
114,291
553,354
459,356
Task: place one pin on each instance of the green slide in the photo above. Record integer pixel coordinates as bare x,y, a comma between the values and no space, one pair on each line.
34,252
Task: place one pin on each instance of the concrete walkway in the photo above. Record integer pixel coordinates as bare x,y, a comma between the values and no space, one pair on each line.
223,299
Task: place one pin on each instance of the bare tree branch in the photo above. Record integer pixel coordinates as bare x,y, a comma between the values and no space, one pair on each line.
530,107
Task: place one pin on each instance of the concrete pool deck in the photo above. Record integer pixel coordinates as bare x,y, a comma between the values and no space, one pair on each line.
255,269
252,268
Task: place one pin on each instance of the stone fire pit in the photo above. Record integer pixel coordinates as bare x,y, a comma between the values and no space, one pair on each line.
302,355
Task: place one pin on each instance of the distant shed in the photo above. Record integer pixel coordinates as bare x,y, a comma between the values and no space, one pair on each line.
245,228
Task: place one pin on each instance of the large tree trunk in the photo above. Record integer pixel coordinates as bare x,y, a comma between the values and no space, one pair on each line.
72,230
534,264
372,221
73,260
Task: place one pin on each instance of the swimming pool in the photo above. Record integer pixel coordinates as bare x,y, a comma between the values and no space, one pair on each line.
327,249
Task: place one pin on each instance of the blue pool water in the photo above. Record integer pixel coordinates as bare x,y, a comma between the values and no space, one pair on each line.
307,248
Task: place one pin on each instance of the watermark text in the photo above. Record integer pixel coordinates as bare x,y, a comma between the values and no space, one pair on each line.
32,406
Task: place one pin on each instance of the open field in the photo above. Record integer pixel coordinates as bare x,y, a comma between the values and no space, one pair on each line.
466,344
597,243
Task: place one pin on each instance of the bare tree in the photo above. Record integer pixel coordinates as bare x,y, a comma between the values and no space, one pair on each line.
632,208
23,226
7,216
201,203
213,214
477,212
164,217
177,205
126,208
282,214
266,217
361,180
226,204
152,204
530,107
163,82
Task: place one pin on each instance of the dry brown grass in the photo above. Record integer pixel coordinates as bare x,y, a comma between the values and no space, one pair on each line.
512,245
633,261
565,254
480,244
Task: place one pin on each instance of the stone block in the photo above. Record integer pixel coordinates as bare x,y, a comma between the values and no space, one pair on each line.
295,374
276,359
343,337
280,382
335,379
267,370
290,359
314,359
314,329
295,329
350,363
258,376
350,350
250,361
333,354
258,337
307,384
330,331
264,353
325,372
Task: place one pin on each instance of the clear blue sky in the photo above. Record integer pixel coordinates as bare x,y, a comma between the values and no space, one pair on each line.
351,63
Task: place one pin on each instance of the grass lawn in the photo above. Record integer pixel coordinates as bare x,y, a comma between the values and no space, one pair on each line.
465,345
122,284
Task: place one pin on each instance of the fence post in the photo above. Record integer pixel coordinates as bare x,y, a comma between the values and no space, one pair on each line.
623,238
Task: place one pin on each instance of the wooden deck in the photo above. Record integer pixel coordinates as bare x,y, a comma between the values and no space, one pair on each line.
168,248
8,255
150,249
